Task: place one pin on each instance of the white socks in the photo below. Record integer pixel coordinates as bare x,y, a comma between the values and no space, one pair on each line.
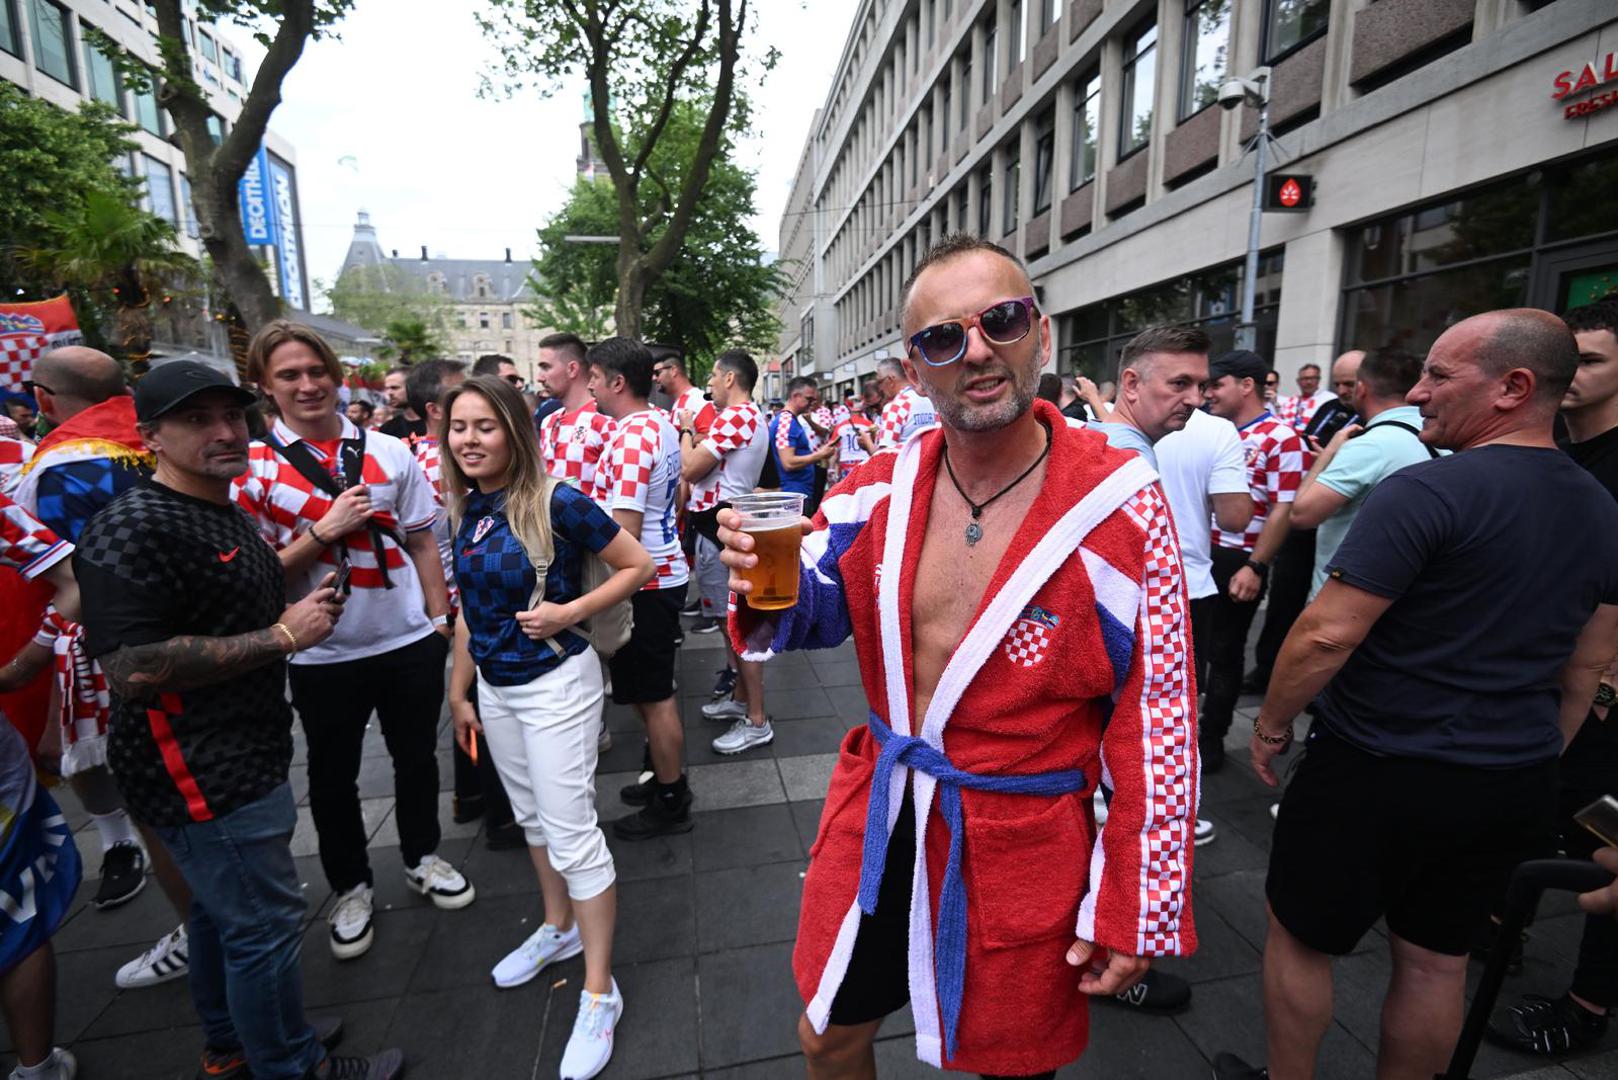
116,828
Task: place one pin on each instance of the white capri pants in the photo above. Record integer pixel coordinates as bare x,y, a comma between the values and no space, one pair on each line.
542,736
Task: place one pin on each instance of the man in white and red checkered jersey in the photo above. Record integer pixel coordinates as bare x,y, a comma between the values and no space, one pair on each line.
1241,561
668,372
1299,410
638,484
573,438
906,412
328,496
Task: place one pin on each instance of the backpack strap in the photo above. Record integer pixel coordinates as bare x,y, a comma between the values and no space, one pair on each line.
351,458
542,563
1431,452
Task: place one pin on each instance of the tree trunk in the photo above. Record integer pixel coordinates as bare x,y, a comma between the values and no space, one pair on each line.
220,225
632,284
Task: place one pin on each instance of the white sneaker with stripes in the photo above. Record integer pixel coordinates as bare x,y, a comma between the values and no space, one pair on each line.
168,959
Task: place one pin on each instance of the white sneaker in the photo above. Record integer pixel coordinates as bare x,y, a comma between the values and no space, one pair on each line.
604,740
544,947
351,923
440,882
729,709
66,1066
166,960
1204,832
1275,811
744,736
589,1048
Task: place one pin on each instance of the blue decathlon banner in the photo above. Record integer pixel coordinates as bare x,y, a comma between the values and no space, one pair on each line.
260,222
281,198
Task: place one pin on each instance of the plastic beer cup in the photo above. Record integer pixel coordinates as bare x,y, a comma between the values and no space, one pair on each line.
773,519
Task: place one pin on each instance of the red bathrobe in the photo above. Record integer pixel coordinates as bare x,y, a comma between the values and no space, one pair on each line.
1079,658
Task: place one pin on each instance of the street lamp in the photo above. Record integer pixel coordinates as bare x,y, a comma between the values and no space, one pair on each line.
1234,93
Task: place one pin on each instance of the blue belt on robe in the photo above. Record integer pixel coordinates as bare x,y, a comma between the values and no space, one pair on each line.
949,945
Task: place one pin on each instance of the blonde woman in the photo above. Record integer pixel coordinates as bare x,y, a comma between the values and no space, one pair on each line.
539,683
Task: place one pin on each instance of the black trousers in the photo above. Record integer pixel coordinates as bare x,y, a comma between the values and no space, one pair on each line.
481,780
405,688
1589,770
1202,619
1290,578
1228,626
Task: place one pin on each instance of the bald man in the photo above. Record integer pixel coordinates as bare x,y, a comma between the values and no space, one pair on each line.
1451,654
92,455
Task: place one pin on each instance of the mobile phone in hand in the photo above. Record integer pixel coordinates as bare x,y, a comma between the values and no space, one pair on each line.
1601,818
344,569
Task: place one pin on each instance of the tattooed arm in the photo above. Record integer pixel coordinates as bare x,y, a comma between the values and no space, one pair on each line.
190,661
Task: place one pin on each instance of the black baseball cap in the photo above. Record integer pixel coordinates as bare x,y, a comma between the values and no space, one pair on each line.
1242,363
168,386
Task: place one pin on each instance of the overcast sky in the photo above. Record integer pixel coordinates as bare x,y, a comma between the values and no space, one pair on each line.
388,120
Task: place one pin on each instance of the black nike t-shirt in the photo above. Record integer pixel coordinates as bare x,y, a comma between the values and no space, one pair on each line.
1599,456
156,564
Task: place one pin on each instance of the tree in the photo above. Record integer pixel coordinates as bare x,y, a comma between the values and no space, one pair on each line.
376,296
113,250
717,293
408,339
642,59
215,168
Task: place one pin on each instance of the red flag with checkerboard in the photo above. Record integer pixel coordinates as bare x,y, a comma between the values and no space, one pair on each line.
29,331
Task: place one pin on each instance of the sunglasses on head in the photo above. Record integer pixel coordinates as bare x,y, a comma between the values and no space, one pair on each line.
1000,324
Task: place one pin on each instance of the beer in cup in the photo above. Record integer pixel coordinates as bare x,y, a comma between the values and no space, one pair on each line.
774,521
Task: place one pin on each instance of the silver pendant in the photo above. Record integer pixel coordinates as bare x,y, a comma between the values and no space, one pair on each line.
973,533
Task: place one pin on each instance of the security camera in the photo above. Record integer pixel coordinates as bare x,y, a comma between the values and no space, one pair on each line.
1232,94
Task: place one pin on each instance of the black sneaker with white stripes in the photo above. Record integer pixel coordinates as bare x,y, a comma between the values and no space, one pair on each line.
1548,1027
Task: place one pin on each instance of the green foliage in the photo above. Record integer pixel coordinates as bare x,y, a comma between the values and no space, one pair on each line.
377,296
405,340
50,160
716,293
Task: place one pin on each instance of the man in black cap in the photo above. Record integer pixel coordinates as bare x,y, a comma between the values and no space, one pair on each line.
1241,560
183,607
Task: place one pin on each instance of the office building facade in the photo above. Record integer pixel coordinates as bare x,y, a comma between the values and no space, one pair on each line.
1462,154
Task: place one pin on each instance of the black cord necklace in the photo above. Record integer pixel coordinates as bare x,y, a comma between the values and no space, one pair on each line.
974,531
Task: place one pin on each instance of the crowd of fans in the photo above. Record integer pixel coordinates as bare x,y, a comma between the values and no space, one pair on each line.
1428,539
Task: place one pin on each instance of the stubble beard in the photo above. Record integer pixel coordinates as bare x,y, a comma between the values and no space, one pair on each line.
964,417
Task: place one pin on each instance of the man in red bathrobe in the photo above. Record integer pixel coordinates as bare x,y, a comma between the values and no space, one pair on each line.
1013,587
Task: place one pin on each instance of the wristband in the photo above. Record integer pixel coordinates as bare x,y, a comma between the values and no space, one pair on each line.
440,620
291,640
1271,740
316,535
1261,569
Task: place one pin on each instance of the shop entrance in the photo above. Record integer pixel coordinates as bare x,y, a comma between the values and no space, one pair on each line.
1574,276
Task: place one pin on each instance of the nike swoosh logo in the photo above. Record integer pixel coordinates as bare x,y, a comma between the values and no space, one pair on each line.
226,556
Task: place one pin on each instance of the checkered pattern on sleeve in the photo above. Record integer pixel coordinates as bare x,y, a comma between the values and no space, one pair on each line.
572,444
733,429
432,466
895,414
692,401
26,545
1275,468
641,471
14,454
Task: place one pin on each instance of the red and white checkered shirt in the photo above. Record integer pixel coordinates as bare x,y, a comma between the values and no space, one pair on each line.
692,401
1298,411
14,454
739,440
907,413
823,417
850,454
26,545
427,456
1275,468
285,504
573,442
641,471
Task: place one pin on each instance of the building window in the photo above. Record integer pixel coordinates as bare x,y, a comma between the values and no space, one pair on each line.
188,207
147,114
232,65
1019,34
985,200
505,322
1049,12
9,40
963,206
1210,300
966,87
216,128
101,77
480,285
1291,23
1086,130
51,52
1013,183
483,320
991,62
1044,160
944,115
205,45
160,189
1206,56
1140,73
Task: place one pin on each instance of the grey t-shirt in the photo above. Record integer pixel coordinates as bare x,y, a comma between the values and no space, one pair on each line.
1125,437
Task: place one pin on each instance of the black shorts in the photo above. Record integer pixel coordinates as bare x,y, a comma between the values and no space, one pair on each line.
643,670
1425,843
878,978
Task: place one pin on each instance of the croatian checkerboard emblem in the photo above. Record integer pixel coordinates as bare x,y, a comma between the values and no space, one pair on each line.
482,529
1030,636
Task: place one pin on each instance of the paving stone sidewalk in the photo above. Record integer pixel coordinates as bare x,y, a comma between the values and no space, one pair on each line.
705,929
